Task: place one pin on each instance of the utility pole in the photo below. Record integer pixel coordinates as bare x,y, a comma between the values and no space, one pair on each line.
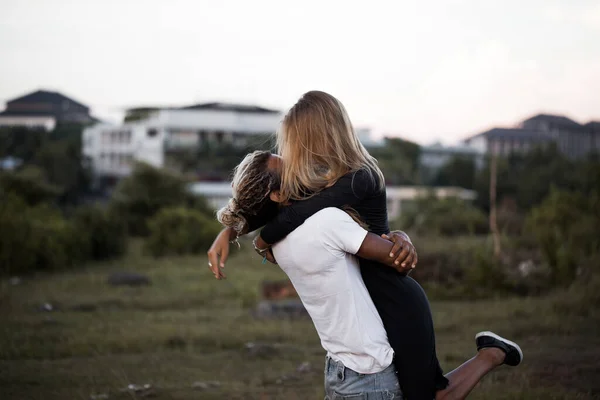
493,208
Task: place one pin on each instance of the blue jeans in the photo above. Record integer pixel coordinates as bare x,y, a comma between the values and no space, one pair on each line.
342,383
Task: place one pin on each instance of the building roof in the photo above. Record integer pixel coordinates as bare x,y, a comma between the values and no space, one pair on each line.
208,106
513,133
43,96
553,119
594,125
230,107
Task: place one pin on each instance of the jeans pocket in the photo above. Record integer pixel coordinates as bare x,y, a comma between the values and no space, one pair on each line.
353,396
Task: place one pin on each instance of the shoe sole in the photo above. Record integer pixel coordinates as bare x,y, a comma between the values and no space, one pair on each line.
500,338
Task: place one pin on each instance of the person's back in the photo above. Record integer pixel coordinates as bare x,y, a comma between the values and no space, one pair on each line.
318,259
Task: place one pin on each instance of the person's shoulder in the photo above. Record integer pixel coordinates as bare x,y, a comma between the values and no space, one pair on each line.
365,181
328,216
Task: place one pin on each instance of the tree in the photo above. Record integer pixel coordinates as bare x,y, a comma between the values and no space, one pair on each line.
567,228
448,217
399,161
30,184
458,171
146,191
61,161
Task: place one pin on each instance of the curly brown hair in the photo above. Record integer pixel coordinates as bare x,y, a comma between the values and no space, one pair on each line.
252,182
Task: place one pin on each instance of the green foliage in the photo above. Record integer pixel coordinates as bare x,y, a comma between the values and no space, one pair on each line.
567,229
399,161
526,179
148,190
180,231
57,154
35,238
21,142
61,161
215,160
448,216
458,171
102,231
30,184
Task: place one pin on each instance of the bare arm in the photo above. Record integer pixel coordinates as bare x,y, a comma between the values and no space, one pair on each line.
378,249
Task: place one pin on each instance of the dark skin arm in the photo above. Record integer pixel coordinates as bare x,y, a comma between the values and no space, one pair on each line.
373,248
401,254
378,248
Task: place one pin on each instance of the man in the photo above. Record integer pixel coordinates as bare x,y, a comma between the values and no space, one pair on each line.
319,259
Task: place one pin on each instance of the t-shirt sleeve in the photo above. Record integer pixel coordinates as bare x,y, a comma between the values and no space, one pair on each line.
340,232
349,190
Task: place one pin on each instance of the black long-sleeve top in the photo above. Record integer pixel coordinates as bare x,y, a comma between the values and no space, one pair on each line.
358,190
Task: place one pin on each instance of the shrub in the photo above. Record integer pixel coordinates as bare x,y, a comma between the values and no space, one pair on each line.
449,217
35,238
180,231
103,232
566,227
29,184
146,191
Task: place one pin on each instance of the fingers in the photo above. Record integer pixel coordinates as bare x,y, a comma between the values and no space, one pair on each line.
415,259
213,260
401,258
411,259
224,256
270,257
398,242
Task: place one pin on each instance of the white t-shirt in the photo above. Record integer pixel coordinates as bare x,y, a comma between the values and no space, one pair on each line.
318,257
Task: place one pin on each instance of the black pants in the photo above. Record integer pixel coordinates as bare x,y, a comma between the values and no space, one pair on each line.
406,315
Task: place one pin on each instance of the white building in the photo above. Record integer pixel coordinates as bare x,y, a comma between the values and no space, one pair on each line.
111,149
219,193
365,135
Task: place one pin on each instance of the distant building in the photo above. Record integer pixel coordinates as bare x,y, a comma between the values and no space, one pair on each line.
398,197
435,156
571,138
505,141
44,110
150,133
366,138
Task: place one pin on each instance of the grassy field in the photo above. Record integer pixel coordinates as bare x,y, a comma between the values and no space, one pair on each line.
186,336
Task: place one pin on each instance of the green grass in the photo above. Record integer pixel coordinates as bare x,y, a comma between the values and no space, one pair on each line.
187,327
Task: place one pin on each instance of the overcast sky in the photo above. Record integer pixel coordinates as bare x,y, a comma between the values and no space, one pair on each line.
424,70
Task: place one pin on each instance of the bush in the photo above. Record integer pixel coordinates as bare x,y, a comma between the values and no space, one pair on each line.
146,191
35,238
103,232
566,227
448,217
177,231
29,184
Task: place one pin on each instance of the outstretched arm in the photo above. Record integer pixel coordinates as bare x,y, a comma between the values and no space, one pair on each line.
219,250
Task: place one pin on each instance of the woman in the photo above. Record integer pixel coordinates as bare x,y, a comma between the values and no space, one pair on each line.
325,165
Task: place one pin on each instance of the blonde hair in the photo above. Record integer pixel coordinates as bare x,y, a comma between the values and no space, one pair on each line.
252,182
318,145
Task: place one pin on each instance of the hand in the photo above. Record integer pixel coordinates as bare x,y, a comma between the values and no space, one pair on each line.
219,248
259,244
403,250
